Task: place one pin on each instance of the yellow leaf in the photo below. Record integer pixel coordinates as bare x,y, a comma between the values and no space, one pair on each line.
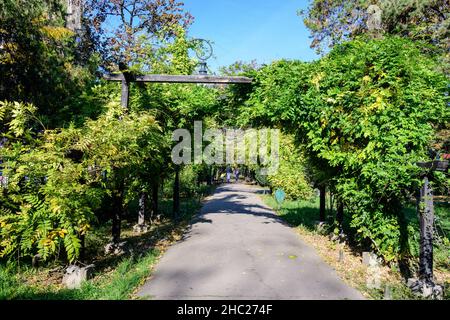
57,33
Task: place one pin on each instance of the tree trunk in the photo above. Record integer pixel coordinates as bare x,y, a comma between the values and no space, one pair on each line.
155,199
218,173
323,199
176,194
426,216
74,13
210,176
142,208
117,213
404,256
340,214
116,219
331,204
83,248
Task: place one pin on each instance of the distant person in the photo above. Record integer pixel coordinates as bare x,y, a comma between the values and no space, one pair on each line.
236,174
222,178
229,171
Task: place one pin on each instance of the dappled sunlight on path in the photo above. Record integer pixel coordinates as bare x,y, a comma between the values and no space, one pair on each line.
238,248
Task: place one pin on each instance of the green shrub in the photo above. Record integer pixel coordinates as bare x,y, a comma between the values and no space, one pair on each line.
365,114
58,179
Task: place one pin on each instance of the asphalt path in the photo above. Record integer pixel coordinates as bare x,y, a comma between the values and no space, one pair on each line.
239,249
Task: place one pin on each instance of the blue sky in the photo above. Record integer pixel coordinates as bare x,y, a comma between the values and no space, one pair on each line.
265,30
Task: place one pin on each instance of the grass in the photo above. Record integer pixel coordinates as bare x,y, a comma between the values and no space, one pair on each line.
297,213
115,277
116,285
304,216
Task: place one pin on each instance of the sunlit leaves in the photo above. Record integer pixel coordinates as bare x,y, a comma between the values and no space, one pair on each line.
291,175
38,58
142,26
364,114
56,183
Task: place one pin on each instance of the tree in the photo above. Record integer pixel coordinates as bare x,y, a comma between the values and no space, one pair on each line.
59,179
141,23
38,58
333,22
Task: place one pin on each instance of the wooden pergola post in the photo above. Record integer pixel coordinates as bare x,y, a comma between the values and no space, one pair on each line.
425,211
425,285
426,218
125,97
126,79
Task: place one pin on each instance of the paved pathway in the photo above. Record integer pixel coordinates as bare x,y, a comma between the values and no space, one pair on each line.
239,249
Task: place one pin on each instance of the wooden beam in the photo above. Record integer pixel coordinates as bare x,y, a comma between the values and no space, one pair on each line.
159,78
436,165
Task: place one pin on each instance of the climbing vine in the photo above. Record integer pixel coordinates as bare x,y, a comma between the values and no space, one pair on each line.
365,114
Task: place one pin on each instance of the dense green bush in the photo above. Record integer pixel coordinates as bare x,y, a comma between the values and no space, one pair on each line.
365,114
379,102
57,179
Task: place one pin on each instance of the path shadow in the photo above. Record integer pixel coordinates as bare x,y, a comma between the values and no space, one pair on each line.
231,205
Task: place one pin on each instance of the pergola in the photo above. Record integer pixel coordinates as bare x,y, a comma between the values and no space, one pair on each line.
127,79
